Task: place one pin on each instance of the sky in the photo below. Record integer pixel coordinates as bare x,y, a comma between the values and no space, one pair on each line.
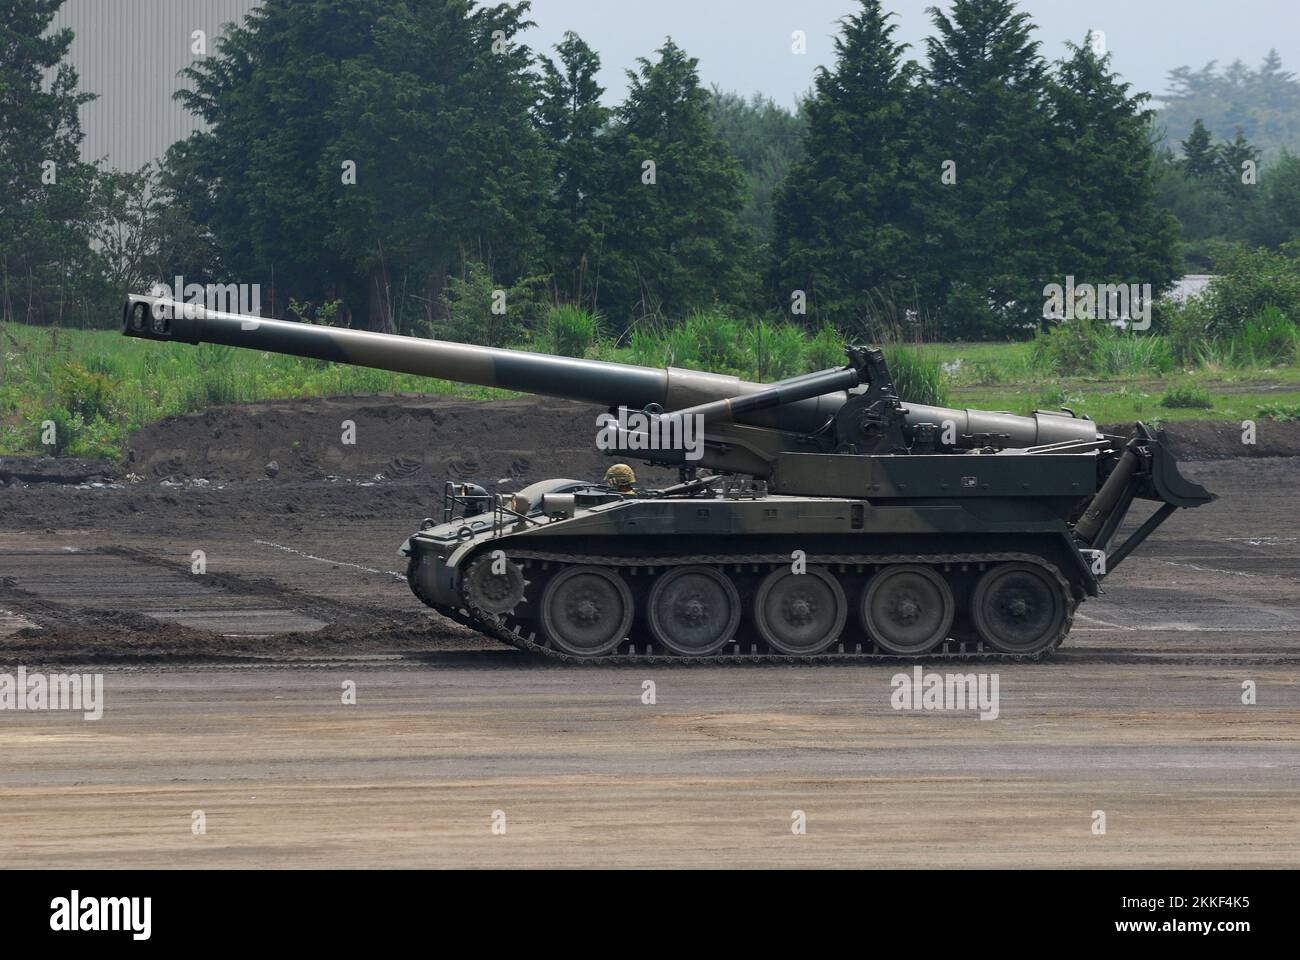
744,45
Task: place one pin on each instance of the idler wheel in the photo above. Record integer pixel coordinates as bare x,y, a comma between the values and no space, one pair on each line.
693,611
586,611
907,609
800,613
495,587
1019,608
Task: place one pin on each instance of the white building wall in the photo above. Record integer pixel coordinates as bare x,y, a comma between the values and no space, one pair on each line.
130,52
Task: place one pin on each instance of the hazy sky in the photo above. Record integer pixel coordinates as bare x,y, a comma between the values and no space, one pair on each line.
745,44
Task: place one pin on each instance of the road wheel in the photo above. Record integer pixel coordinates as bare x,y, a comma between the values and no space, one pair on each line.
694,610
907,609
1019,608
586,611
800,613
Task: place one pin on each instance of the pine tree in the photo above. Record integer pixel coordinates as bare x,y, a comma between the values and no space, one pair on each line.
1103,170
671,241
992,231
47,270
846,218
572,121
1201,157
1235,159
1272,83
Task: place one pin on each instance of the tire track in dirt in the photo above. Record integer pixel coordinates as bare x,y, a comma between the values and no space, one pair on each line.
308,604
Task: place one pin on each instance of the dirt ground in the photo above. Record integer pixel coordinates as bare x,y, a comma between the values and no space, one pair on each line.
223,692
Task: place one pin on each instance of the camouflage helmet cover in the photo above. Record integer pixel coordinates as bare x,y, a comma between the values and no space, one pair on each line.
620,475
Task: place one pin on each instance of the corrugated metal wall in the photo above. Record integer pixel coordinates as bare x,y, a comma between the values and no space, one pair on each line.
129,52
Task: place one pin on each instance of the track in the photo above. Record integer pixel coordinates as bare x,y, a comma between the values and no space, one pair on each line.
512,632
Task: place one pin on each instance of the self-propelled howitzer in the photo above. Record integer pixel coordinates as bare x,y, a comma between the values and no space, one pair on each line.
821,516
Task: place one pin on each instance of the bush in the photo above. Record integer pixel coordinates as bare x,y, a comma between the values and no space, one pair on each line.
1249,281
1186,329
825,350
108,366
1269,338
1068,348
208,357
570,331
1281,412
1187,397
87,394
471,309
1055,399
66,427
1094,347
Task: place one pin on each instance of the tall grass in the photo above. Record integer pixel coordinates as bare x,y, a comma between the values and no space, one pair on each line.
1270,338
570,332
97,386
918,375
1082,348
775,351
825,350
1122,352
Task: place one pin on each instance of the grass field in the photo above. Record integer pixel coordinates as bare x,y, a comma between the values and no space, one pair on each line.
95,387
1002,376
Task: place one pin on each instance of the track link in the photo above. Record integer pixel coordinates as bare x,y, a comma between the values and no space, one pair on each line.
511,632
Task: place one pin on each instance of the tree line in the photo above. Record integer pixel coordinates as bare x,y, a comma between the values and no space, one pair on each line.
1264,104
393,164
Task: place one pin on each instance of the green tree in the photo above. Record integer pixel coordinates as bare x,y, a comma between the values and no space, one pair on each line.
47,270
993,231
1265,103
1203,212
1201,156
1112,230
1216,203
1236,155
847,216
1279,220
185,244
361,148
767,139
671,242
572,121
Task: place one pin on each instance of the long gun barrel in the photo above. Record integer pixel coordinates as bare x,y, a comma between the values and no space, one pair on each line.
593,381
784,406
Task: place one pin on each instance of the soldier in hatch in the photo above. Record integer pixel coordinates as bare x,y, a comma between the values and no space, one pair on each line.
620,479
